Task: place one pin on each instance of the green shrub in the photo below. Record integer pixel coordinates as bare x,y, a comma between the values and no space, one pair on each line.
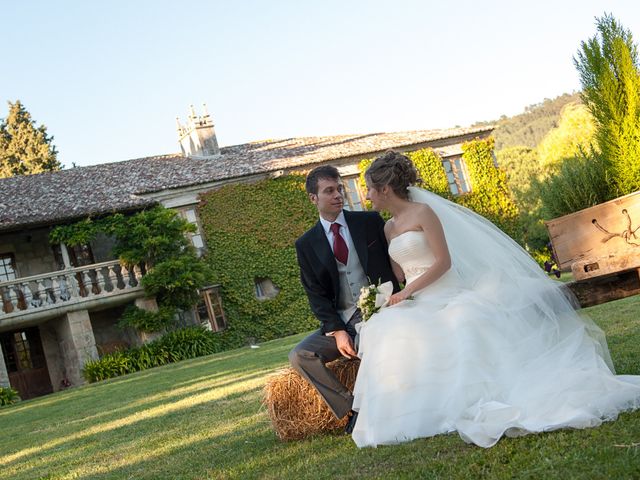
523,169
110,365
8,396
175,346
147,321
577,183
188,343
148,356
156,237
151,236
175,282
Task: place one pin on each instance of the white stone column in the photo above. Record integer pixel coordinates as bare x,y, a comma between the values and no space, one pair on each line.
65,256
77,344
4,375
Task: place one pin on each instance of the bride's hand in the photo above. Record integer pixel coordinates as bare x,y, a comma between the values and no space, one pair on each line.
398,297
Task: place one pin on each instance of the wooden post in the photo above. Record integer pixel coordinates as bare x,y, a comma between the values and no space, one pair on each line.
601,290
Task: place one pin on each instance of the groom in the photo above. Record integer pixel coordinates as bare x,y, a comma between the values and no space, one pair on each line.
342,253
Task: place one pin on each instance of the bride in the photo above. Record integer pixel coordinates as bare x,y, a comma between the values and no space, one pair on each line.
480,341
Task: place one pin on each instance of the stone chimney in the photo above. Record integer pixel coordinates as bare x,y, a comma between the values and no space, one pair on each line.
198,138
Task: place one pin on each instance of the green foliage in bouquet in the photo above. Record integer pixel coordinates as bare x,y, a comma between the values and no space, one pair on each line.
367,301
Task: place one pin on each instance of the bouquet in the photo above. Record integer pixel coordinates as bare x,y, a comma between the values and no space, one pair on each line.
373,298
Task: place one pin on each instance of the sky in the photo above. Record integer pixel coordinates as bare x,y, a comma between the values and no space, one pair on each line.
109,78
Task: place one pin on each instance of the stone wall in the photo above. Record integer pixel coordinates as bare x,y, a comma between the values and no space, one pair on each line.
55,360
101,248
34,254
32,251
77,344
108,335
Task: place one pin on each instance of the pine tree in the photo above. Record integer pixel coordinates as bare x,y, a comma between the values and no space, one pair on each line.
610,77
25,148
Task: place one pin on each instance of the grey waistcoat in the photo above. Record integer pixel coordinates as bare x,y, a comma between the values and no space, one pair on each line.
352,278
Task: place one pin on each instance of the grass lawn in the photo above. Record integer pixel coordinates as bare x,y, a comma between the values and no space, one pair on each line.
203,419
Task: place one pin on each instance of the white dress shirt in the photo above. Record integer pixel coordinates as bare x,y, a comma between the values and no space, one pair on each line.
344,231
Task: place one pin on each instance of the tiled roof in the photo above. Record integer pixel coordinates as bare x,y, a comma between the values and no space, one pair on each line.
79,192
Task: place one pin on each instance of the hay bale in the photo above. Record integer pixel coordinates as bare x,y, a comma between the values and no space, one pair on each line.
295,407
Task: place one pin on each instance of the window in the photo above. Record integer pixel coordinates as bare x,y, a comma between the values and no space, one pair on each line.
7,267
265,289
352,197
22,350
457,175
79,255
196,237
209,309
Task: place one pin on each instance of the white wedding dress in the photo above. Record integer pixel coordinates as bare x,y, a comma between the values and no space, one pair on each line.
486,352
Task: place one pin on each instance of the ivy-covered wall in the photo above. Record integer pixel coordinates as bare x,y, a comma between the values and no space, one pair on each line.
490,196
430,170
429,166
250,230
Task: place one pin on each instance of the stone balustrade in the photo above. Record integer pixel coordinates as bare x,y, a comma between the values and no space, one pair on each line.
70,287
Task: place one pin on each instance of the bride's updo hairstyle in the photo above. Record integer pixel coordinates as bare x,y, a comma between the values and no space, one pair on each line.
393,169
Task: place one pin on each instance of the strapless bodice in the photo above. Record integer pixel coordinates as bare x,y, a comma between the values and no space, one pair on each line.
412,252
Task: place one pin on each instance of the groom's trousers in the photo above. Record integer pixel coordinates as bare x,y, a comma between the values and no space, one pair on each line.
308,358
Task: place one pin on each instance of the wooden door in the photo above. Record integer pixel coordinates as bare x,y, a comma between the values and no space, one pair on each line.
26,363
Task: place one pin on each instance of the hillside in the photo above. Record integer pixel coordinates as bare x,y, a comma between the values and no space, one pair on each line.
529,127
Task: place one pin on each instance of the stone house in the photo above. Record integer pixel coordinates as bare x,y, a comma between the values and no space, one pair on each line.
60,304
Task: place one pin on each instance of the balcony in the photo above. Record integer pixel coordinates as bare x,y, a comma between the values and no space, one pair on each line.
29,300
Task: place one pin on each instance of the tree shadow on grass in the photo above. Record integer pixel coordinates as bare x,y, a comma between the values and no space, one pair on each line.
101,447
63,396
236,441
160,380
270,356
131,413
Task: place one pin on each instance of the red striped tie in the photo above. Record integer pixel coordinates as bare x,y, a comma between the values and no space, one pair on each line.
340,249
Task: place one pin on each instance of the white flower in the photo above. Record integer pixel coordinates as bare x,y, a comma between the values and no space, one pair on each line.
373,298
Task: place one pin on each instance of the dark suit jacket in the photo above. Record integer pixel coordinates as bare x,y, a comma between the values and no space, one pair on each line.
319,272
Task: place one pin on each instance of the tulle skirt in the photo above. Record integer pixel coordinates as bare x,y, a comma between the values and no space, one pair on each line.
485,363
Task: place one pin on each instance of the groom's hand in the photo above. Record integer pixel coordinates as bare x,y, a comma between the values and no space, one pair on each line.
344,343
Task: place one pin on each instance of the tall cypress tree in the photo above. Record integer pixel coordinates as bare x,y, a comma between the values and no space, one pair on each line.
610,77
25,148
